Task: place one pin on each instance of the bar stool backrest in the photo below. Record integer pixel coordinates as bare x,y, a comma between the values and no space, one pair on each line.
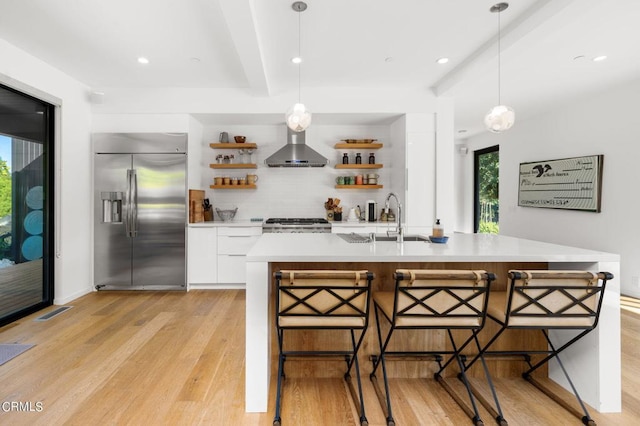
323,298
554,299
441,298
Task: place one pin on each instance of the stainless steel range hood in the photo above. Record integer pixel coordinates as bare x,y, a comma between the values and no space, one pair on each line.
296,153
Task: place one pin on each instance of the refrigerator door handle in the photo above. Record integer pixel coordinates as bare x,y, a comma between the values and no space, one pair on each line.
134,204
127,216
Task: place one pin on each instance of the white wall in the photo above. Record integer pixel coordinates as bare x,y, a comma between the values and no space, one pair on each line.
603,123
30,75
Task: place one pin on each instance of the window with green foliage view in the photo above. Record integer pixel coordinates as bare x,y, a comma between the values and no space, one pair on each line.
487,166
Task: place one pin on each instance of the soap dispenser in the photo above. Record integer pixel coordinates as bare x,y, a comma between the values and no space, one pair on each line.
438,229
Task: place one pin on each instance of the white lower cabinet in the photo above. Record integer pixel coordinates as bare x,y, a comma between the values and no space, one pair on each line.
202,255
233,244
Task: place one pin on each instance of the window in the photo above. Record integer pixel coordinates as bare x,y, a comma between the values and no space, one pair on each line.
26,204
486,197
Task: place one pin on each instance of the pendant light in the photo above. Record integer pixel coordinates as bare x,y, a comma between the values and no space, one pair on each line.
298,116
501,117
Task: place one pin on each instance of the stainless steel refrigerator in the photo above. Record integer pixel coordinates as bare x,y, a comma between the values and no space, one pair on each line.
140,205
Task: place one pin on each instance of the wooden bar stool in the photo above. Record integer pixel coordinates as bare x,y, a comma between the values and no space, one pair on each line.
427,300
323,300
546,300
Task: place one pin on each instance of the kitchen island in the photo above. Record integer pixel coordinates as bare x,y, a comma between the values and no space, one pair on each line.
593,362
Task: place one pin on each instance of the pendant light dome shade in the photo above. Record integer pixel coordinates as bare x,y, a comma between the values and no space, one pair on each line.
298,117
499,119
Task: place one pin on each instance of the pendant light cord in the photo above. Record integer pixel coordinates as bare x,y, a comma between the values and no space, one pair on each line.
499,63
299,56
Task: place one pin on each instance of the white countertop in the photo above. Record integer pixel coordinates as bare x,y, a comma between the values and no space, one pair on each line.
459,248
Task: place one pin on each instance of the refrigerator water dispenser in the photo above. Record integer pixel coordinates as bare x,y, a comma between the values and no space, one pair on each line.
111,207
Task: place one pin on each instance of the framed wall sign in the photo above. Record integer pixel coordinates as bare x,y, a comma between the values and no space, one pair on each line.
570,183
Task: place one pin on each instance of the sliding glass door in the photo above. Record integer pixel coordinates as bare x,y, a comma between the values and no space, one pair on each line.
26,204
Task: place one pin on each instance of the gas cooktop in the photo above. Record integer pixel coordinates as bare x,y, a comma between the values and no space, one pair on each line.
296,221
295,225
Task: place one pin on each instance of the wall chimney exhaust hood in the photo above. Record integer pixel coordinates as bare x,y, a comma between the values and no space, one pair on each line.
296,153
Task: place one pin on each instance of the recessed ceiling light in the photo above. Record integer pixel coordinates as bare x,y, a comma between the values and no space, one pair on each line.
143,60
195,60
576,58
388,59
462,131
442,60
296,60
599,58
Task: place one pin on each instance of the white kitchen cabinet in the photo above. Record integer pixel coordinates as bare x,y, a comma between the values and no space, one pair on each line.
234,243
202,255
420,173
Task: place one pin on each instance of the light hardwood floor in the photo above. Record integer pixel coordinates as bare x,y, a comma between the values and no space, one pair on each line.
165,358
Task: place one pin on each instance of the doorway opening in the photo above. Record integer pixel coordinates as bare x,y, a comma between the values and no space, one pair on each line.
486,193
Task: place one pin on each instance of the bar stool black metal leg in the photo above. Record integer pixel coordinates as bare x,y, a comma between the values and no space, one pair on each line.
463,376
353,360
385,400
277,421
584,416
497,413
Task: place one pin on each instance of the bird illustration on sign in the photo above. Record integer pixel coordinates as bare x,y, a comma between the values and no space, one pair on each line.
542,169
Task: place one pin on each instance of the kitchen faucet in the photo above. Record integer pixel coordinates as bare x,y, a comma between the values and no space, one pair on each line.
399,232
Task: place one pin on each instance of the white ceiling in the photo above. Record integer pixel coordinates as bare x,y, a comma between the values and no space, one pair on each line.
248,44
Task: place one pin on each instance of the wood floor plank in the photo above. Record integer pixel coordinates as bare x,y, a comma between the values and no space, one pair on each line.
171,358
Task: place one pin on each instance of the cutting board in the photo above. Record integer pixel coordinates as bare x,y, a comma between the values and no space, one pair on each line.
196,209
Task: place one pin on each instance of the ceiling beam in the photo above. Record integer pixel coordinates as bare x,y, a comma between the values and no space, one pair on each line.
541,13
242,25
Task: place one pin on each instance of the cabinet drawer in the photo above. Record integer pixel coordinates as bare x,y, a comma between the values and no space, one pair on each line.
235,244
240,230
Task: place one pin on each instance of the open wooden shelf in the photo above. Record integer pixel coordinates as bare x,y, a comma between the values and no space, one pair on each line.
231,145
359,186
364,146
234,166
247,186
358,166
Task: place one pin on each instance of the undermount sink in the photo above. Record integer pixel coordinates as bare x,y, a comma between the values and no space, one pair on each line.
406,238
